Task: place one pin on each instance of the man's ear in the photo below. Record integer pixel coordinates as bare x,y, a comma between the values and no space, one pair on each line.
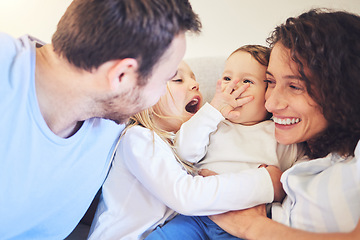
123,72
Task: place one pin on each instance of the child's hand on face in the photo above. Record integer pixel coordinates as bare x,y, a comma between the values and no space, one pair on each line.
227,99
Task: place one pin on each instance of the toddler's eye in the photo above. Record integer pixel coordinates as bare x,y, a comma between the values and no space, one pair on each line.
248,81
227,78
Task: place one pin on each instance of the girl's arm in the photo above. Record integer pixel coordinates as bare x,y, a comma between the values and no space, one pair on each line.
152,162
192,140
253,224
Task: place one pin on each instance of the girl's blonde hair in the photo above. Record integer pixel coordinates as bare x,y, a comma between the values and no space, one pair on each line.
146,119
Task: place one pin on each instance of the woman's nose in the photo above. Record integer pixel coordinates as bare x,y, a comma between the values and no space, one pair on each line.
275,100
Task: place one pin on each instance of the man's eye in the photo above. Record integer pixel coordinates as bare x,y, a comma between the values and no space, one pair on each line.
227,78
248,81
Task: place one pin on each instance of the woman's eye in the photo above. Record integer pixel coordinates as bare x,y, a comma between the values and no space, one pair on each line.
296,87
248,81
270,83
227,78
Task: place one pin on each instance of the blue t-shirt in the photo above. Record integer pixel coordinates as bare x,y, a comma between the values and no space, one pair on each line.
46,182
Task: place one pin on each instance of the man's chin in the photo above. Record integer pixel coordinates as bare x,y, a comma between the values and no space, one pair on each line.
122,121
118,119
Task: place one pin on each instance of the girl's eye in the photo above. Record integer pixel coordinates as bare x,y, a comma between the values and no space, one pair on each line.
227,78
177,80
248,81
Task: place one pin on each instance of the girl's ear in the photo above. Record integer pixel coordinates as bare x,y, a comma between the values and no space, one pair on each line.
123,73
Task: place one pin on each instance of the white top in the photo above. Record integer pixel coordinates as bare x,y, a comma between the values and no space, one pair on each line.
323,194
146,185
224,147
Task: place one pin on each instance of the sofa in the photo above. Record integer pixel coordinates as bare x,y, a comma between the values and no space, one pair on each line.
207,71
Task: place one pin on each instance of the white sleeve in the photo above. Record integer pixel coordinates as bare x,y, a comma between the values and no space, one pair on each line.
289,154
192,140
357,156
152,162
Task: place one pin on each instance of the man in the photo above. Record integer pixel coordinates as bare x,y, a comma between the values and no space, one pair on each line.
64,105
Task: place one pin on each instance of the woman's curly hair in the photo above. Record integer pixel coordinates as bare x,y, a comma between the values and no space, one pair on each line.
325,45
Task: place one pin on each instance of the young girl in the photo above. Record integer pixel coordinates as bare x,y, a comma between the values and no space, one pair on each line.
148,183
230,142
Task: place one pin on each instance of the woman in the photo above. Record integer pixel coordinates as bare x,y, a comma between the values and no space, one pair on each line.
313,94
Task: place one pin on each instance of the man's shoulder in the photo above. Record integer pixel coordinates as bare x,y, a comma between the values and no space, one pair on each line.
7,47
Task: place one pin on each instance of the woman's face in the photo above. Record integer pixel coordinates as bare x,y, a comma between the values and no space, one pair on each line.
298,118
181,101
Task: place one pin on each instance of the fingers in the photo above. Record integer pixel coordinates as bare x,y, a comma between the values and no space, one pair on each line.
218,85
230,87
244,100
237,92
206,172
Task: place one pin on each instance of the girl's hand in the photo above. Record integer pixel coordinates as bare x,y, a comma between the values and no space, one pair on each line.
206,172
275,174
227,99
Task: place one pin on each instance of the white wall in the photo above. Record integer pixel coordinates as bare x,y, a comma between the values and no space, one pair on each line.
35,17
227,24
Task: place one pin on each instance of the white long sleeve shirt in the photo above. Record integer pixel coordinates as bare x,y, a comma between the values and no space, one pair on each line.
223,147
323,195
146,185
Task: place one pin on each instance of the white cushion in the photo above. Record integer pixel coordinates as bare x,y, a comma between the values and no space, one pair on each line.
207,71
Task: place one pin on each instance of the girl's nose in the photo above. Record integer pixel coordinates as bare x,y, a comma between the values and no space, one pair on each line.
194,85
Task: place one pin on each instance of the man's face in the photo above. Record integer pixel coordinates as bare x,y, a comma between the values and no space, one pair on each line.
143,97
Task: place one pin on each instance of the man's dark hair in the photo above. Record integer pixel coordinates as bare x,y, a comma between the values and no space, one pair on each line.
92,32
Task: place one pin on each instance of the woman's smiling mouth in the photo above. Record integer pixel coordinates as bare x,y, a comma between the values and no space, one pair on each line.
286,121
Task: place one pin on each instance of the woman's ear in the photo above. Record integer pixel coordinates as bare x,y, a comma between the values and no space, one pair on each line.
123,72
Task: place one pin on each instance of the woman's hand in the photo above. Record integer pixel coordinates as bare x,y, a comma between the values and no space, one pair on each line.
253,224
238,222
